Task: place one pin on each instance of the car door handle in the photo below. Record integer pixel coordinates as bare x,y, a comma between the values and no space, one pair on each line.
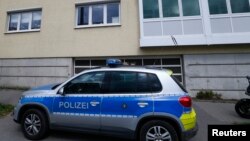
142,104
94,103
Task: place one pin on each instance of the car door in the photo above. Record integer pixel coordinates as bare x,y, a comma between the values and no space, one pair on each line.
80,105
128,97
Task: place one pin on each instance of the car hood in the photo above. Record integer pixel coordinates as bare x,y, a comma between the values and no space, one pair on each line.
41,90
44,87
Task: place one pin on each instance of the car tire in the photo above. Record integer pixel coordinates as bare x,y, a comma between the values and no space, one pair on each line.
34,124
242,108
158,130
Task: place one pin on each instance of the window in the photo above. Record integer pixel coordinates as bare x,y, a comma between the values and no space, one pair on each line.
150,9
133,82
217,6
98,14
173,64
149,62
122,82
190,7
24,21
89,83
143,83
170,8
83,18
82,65
235,18
13,24
179,84
36,20
221,6
148,83
240,6
154,82
113,13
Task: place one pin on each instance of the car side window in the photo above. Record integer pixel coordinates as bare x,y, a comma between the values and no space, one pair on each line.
133,82
155,83
89,83
143,85
122,82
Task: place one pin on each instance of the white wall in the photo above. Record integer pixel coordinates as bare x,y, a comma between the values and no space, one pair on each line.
222,73
34,72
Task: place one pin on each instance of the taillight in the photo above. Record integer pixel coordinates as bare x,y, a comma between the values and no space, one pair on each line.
186,101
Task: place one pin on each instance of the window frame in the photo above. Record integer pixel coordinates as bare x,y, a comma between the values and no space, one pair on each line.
206,35
105,12
180,17
19,13
229,15
89,65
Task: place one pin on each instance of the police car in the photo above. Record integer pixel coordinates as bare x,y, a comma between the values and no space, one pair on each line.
139,103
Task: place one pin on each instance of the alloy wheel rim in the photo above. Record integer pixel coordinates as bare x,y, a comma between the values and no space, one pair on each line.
158,133
32,124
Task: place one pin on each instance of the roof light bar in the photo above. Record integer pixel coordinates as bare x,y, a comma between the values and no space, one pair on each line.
113,63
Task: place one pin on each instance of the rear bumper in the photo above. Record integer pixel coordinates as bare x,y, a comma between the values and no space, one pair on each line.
186,135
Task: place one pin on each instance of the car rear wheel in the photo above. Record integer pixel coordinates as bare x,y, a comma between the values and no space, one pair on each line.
34,124
158,130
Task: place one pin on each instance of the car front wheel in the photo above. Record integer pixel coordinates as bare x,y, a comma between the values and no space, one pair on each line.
34,124
158,130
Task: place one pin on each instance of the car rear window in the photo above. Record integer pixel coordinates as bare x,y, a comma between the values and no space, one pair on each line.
179,84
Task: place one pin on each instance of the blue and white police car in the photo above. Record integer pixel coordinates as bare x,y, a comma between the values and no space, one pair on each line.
138,103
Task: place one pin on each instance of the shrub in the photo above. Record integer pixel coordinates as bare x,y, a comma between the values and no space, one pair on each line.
208,94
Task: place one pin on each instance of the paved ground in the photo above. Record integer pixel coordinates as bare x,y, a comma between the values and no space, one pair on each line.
208,113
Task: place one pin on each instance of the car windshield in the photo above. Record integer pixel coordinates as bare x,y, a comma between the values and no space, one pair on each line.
54,87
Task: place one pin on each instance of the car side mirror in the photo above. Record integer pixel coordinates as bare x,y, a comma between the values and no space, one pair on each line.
61,91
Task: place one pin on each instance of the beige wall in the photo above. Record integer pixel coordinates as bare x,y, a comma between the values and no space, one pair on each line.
58,38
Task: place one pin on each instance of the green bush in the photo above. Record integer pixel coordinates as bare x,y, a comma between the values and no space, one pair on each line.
208,94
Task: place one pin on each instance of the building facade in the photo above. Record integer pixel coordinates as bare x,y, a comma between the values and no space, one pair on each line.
204,42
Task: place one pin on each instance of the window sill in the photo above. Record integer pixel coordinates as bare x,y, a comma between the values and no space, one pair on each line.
25,31
95,26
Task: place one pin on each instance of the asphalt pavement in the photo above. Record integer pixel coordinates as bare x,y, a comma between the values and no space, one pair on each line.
208,113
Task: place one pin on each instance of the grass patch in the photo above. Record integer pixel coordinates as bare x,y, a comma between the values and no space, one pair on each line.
5,109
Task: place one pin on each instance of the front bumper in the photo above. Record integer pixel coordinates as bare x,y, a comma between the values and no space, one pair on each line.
15,113
186,135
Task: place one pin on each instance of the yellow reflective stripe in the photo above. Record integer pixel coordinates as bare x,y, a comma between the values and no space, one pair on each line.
189,120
